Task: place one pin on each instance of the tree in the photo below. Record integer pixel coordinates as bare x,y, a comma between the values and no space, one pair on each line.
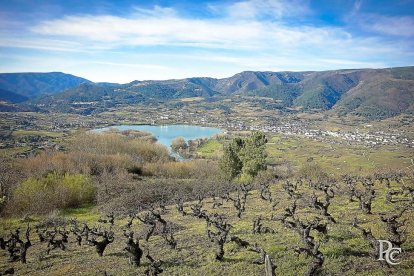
230,164
244,157
179,143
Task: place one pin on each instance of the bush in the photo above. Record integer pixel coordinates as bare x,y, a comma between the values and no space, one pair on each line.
200,169
178,144
314,171
55,191
96,153
139,149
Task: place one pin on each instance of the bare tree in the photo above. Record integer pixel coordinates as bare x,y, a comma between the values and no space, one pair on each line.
54,243
16,247
291,189
367,195
107,237
150,220
131,218
396,235
219,236
239,203
111,219
265,193
310,247
258,227
155,266
350,181
321,206
179,203
168,235
133,249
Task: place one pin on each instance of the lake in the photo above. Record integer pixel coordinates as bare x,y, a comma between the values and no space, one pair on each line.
165,134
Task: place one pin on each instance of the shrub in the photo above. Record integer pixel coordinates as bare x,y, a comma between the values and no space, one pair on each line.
54,191
200,169
314,171
179,143
139,149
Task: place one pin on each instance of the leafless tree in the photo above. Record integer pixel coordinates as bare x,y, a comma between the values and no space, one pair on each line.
310,246
155,266
106,237
111,219
265,193
219,237
179,203
258,227
322,206
16,247
168,235
133,249
396,235
54,243
291,189
239,203
367,195
131,218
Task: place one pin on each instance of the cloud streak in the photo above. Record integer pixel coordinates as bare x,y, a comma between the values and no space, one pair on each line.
159,27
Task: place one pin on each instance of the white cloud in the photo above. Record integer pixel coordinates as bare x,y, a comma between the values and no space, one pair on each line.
397,26
246,35
402,26
60,45
167,28
274,9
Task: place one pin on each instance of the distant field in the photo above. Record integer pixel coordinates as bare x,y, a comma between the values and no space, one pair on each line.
20,133
192,99
337,158
334,158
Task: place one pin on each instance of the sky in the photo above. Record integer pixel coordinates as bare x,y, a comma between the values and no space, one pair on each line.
121,41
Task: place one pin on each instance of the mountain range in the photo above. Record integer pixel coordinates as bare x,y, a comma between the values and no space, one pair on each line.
372,93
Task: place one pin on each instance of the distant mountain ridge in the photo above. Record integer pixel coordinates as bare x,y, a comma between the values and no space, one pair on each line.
372,93
11,97
31,85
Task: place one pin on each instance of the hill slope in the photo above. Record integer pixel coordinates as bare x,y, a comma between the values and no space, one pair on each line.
32,85
11,97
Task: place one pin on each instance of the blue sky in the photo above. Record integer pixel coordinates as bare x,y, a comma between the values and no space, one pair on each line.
121,41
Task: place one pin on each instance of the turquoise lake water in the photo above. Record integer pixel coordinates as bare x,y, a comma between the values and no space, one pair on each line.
165,134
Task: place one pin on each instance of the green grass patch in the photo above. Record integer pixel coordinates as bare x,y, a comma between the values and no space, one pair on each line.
19,133
212,148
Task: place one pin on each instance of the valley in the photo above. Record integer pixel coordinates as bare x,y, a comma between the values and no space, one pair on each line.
84,178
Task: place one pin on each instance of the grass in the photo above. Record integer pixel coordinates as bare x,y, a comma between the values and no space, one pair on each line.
337,159
87,213
345,250
14,151
19,133
210,149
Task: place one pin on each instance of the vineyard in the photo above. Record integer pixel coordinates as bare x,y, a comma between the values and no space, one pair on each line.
302,225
